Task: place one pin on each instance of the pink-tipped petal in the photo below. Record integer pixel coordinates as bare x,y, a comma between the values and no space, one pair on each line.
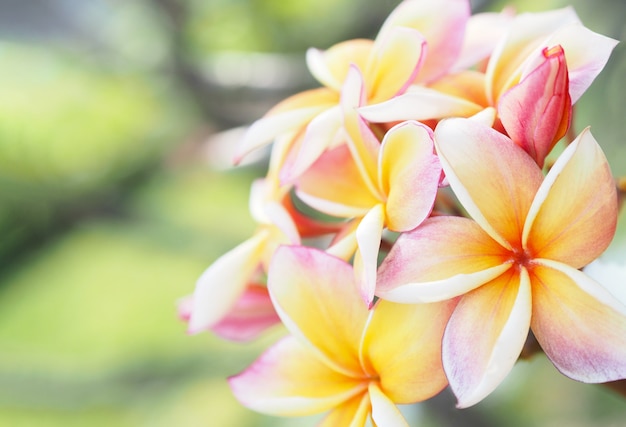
384,411
536,112
526,33
221,285
344,243
574,214
485,336
403,346
394,63
586,52
368,236
442,23
316,297
251,315
579,324
441,259
288,380
494,179
409,174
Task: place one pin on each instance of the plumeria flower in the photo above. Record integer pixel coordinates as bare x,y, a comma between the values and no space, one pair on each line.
516,262
391,185
539,68
340,356
390,63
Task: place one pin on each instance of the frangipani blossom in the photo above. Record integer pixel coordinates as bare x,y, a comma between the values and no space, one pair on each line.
391,185
516,264
340,356
539,68
390,63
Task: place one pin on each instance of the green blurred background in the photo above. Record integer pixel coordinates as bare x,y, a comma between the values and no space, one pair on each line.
117,118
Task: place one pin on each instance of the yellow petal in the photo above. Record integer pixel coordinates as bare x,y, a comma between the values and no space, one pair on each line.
334,185
331,66
394,63
442,258
384,411
485,336
402,346
574,214
494,179
409,174
316,297
579,324
289,380
352,413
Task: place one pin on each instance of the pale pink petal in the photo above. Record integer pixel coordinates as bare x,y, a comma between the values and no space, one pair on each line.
316,297
494,179
402,346
442,23
352,413
221,285
527,33
330,67
251,315
292,113
442,258
485,336
579,324
409,174
335,186
574,215
289,380
384,411
419,103
586,53
394,63
482,33
536,112
368,235
319,135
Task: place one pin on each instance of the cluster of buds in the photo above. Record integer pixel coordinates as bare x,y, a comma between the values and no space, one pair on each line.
410,233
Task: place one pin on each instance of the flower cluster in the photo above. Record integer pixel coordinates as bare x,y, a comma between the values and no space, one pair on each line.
411,233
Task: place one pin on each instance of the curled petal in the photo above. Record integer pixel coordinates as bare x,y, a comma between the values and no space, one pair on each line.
441,259
316,297
409,174
574,214
494,179
485,336
384,411
288,380
221,285
402,345
579,324
536,112
368,235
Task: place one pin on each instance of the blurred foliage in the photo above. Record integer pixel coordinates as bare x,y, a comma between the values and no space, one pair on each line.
109,212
